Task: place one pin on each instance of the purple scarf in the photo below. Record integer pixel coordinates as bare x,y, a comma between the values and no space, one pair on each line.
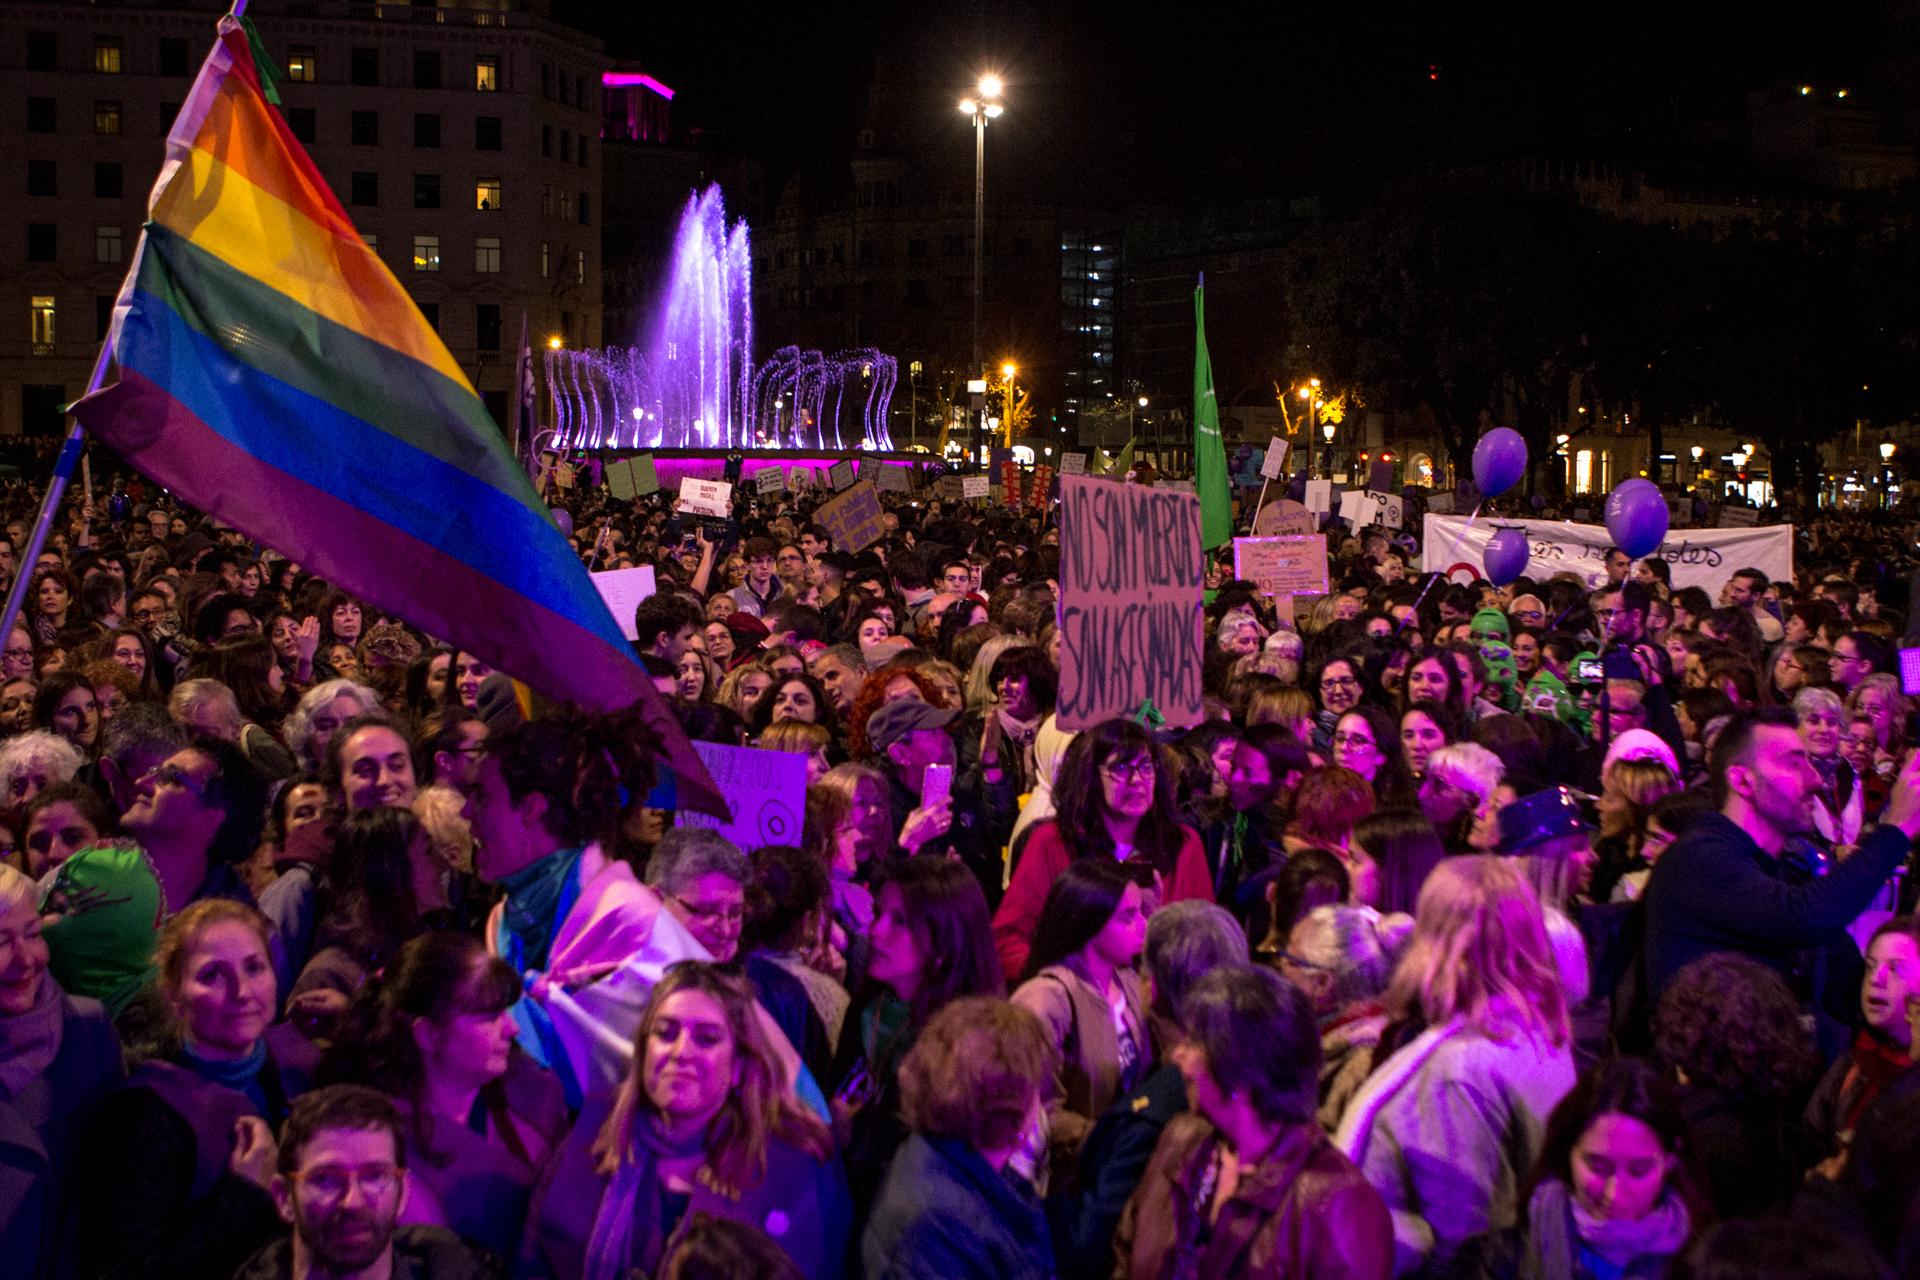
30,1041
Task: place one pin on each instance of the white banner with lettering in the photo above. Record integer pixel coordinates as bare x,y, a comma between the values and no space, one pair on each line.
1698,557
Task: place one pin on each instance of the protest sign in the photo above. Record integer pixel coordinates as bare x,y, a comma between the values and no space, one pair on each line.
950,488
853,518
630,478
622,589
1698,558
1284,515
891,479
1441,504
840,476
706,497
1274,465
1388,509
1355,507
1073,464
1040,486
1739,517
1131,627
769,480
767,789
975,486
1679,512
1287,566
1319,496
799,478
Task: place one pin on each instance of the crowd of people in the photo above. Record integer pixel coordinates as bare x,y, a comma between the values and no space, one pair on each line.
1557,929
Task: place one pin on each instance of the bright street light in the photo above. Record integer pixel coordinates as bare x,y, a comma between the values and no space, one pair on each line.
990,85
554,343
1886,450
1008,369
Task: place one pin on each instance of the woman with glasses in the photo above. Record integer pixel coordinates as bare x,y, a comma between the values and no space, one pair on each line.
1113,800
1366,741
1338,685
707,1123
16,661
1839,804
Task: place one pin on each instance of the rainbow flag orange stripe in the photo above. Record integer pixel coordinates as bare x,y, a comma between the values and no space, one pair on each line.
272,371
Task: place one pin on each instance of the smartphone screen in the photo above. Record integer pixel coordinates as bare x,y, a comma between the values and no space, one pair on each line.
936,785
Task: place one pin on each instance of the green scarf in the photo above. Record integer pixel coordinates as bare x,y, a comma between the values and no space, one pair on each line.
108,903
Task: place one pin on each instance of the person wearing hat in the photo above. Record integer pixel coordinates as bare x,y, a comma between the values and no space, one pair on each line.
1491,635
1550,837
1549,692
908,737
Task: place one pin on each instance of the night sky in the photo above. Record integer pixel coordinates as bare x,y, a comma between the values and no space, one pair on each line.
1122,103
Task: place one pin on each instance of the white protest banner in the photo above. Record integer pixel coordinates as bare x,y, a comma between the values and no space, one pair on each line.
1131,626
1286,566
1388,509
622,589
840,475
1178,486
1073,464
769,480
1274,465
767,789
853,518
950,488
975,486
1703,558
890,479
706,497
1319,496
1356,507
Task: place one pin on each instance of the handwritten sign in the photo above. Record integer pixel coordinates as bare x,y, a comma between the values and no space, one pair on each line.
1320,496
1285,516
1286,566
840,476
1274,465
853,518
623,589
1739,517
630,478
1073,464
891,479
950,488
1040,486
769,480
1696,557
707,497
1387,509
767,789
975,486
1131,627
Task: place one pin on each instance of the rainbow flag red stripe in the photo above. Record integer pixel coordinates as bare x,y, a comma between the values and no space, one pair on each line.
272,371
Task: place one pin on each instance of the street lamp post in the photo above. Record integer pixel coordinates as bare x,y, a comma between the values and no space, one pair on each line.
984,107
1007,371
1326,431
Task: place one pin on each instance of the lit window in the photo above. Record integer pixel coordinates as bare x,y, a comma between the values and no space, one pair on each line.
426,253
106,244
106,118
486,194
106,55
41,312
546,260
580,266
486,75
1583,471
300,64
486,255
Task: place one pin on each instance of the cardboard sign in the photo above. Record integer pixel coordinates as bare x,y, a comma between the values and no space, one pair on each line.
1388,509
767,789
799,478
1288,566
1131,627
707,497
1285,516
630,478
1073,464
1010,481
1697,557
1274,465
950,488
1737,517
1319,496
975,486
891,479
1355,507
769,480
1040,486
853,518
622,589
840,476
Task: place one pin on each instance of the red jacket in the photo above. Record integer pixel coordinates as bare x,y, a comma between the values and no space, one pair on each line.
1044,858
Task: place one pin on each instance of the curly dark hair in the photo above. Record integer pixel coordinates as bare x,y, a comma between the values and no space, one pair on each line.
1731,1023
592,768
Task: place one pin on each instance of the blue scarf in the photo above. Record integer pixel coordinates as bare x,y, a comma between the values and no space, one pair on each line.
533,901
242,1075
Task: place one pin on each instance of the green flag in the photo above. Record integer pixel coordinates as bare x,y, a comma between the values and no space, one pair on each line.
1122,462
1209,454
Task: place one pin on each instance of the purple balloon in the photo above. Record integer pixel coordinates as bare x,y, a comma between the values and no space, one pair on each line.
1507,555
1499,461
563,518
1637,517
1538,502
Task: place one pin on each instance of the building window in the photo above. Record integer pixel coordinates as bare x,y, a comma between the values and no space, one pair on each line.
426,253
426,68
486,255
546,199
106,119
486,75
426,191
106,180
43,178
579,266
486,326
566,205
106,55
486,194
300,64
431,312
546,139
546,260
583,208
304,123
43,242
364,189
41,318
366,129
43,51
106,244
372,242
566,145
426,129
583,151
546,79
363,67
173,56
43,115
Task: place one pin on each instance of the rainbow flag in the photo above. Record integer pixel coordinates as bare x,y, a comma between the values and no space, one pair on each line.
273,372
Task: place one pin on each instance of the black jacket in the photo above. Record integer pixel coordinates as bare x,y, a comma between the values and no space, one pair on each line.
1116,1154
419,1253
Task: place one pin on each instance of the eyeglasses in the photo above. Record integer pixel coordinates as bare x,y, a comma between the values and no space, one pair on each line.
172,775
1352,740
16,654
1132,771
148,615
331,1182
1298,962
732,913
1339,682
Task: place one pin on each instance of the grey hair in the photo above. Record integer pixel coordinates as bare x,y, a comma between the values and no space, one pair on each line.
1469,766
685,854
141,729
1186,941
202,692
298,729
1813,699
37,752
1345,943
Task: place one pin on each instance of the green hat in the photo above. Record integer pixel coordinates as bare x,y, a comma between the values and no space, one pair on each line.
109,906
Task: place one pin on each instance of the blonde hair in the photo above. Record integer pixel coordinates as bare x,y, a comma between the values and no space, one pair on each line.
730,687
830,801
977,689
797,736
1468,766
1292,707
16,889
441,812
1479,951
760,1107
1319,617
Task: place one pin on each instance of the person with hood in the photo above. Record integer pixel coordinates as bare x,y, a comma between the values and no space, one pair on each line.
1494,638
103,912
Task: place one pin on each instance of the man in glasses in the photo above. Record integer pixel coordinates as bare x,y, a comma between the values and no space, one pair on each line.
341,1183
199,815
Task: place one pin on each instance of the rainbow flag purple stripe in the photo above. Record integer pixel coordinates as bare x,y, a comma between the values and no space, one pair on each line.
274,372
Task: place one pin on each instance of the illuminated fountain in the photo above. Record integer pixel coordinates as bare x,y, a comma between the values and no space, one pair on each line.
693,385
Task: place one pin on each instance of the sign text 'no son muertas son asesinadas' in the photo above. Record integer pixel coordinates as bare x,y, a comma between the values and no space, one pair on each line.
1131,576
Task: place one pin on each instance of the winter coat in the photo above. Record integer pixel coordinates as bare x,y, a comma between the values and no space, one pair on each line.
944,1214
419,1253
1085,1215
1080,1022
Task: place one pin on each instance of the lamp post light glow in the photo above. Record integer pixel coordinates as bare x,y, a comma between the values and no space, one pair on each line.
984,106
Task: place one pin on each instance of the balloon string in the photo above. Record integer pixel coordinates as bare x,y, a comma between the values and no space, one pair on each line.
1436,576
